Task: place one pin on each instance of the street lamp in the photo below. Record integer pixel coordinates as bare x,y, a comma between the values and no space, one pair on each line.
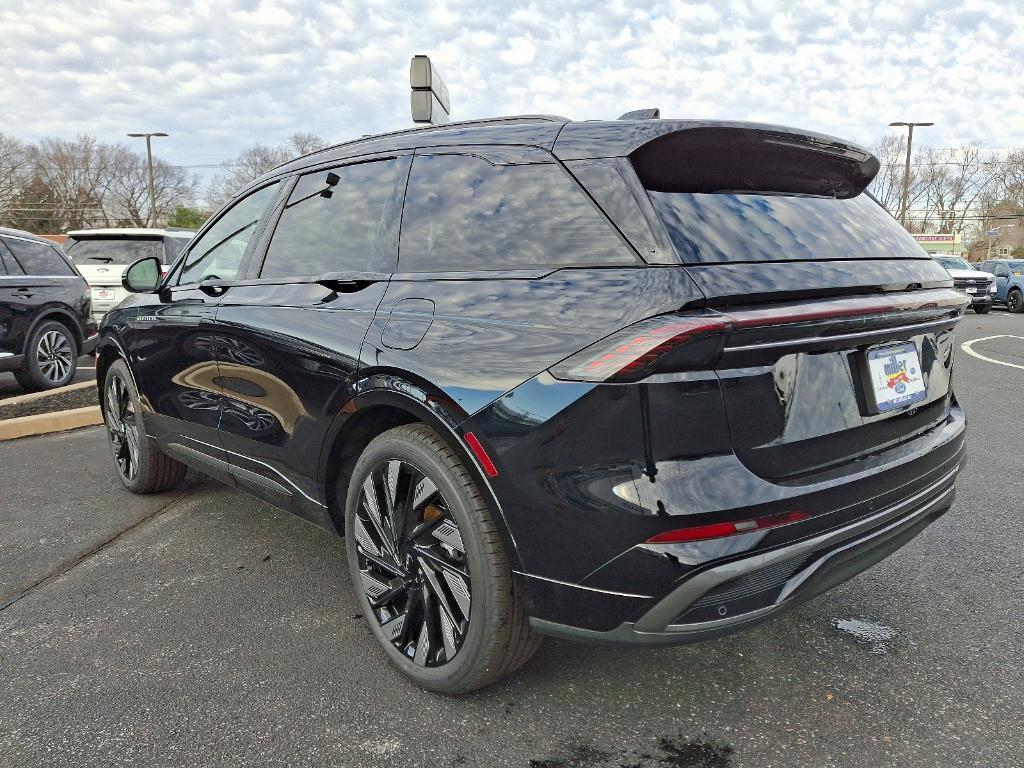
149,166
906,170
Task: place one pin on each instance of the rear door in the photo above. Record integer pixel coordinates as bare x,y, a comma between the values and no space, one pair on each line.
290,333
842,340
38,277
170,336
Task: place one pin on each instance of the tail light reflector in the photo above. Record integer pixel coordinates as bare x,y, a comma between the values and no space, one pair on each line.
720,530
631,354
481,455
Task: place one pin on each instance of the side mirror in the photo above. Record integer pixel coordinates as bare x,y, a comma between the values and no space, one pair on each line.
143,276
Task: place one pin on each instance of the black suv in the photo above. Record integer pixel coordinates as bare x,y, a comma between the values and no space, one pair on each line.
44,312
646,381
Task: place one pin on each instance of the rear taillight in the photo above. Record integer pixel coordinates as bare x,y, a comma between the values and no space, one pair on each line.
720,530
635,352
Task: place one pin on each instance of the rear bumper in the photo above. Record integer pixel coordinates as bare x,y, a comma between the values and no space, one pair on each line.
771,582
89,344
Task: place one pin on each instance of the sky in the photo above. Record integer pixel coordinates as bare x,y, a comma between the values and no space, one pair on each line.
219,75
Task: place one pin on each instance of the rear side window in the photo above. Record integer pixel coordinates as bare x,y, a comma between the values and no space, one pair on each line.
464,213
119,251
333,222
7,264
217,254
39,258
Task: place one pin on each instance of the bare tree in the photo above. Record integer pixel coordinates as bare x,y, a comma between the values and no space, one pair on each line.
14,171
254,161
127,198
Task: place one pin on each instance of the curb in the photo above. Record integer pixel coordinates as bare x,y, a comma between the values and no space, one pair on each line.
31,396
44,423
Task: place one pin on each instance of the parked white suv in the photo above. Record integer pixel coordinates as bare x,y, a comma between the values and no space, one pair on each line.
102,255
978,285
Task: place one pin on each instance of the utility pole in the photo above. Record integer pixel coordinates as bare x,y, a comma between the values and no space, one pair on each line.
906,171
151,219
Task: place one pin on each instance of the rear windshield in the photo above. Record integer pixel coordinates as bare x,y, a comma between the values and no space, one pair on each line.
708,228
120,250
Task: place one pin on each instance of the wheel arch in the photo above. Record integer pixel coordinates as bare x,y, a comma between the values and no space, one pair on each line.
381,406
61,315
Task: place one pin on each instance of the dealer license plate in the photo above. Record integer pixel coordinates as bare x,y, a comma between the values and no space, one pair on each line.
894,376
103,294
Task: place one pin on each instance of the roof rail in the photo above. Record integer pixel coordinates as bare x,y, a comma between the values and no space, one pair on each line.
438,127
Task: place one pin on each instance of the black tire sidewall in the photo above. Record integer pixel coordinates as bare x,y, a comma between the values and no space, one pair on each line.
119,367
395,445
1020,301
31,366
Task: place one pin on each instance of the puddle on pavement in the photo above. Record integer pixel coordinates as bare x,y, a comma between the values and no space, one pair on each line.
878,636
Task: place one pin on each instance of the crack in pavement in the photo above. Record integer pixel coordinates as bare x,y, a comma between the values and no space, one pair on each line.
73,562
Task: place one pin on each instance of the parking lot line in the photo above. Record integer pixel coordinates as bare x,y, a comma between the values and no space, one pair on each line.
968,347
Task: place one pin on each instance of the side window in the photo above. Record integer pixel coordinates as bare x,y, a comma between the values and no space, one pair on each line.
218,253
988,267
465,213
334,221
1002,270
39,258
4,258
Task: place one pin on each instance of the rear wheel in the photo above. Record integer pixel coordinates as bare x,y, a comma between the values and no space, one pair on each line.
1015,301
428,565
141,465
51,358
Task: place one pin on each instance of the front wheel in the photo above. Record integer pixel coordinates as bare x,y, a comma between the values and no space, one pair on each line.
1015,301
141,465
428,565
983,310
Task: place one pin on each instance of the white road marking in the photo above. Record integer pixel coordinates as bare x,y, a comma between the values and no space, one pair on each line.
967,347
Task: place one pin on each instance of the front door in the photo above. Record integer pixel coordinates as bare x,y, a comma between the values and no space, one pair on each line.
172,343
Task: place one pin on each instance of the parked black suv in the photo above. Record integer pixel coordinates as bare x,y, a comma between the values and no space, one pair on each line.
44,312
647,381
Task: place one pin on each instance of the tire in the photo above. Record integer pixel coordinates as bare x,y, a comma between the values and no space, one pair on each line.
445,632
51,358
140,464
983,310
1015,301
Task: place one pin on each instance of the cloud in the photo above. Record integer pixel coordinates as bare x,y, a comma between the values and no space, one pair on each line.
219,75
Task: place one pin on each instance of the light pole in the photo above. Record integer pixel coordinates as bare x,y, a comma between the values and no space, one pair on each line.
906,171
149,166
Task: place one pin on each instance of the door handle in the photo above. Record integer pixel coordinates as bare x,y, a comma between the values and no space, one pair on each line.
214,287
349,282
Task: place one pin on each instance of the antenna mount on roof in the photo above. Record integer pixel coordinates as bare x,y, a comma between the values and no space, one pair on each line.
430,102
641,114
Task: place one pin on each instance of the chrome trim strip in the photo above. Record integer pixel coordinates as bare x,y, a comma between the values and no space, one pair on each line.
658,618
261,463
580,586
844,336
6,354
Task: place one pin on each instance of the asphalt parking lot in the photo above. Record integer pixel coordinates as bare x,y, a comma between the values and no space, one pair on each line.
9,387
205,628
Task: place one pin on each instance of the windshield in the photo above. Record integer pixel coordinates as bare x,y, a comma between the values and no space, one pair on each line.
954,262
728,227
119,251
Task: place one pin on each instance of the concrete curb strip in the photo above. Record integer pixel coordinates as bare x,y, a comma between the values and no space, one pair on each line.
47,393
43,423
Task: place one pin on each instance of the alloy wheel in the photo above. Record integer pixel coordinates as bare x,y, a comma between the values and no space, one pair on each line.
123,426
412,563
1013,301
54,356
